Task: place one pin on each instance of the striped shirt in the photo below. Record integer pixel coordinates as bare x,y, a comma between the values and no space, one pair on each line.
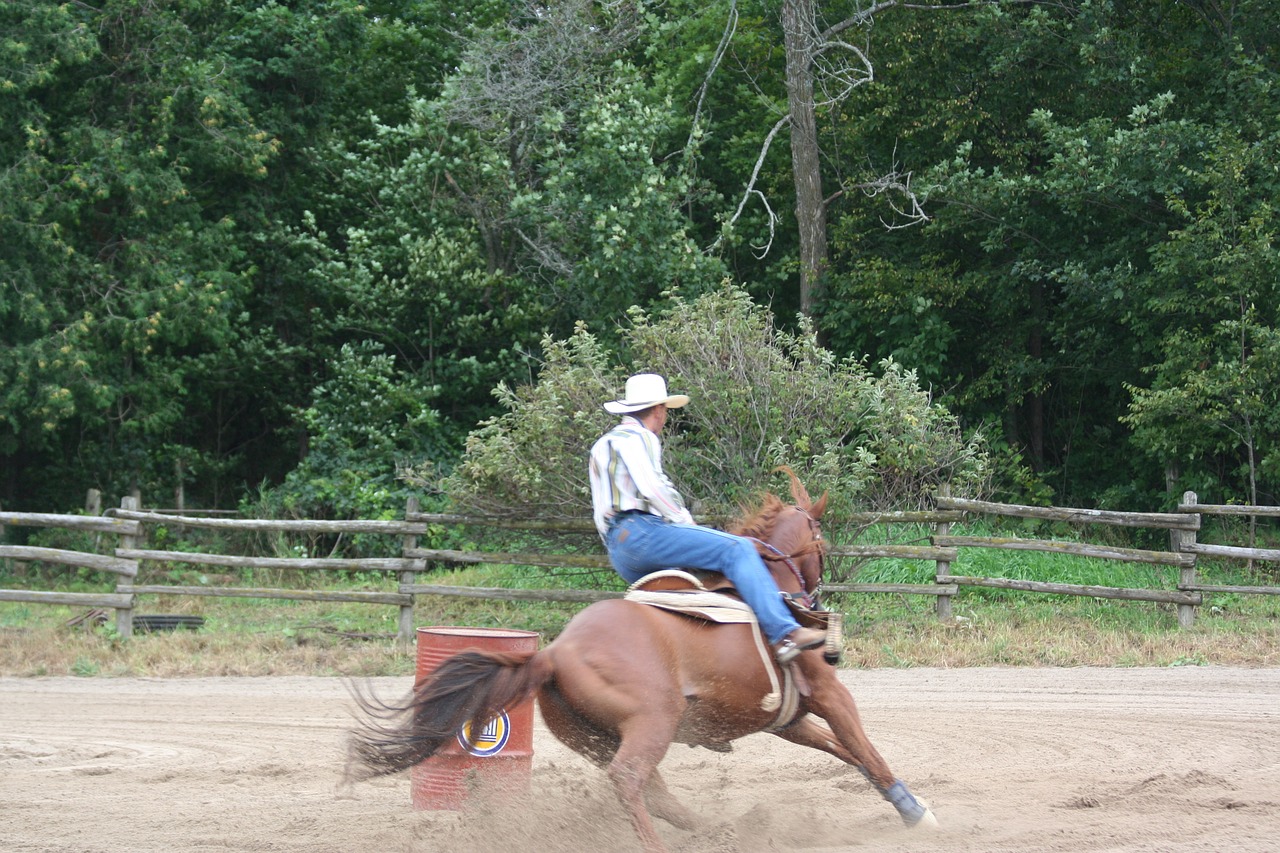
626,474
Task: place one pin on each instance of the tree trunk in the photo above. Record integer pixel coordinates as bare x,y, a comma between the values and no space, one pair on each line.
799,33
1035,402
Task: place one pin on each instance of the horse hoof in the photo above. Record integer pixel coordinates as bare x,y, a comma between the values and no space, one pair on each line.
927,820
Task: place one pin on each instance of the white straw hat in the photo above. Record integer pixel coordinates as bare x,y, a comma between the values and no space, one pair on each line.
645,390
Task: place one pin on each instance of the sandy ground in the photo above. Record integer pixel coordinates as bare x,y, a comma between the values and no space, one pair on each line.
1011,759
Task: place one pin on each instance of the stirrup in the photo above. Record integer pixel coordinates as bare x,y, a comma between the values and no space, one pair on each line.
786,650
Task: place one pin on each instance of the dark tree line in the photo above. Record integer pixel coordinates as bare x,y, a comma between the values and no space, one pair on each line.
280,251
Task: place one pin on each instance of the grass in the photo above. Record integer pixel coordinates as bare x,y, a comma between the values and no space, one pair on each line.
245,637
1031,630
989,628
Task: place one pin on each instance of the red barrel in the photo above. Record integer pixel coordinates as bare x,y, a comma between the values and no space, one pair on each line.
500,757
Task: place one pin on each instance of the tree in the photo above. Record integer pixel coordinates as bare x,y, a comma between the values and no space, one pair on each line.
156,162
798,29
523,196
1064,141
121,289
562,177
365,424
1209,414
819,57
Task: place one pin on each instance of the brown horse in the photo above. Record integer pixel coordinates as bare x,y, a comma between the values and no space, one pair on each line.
625,680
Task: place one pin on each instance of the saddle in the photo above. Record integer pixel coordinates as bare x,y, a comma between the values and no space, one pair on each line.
712,597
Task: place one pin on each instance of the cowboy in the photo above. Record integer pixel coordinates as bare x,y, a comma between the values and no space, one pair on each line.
645,526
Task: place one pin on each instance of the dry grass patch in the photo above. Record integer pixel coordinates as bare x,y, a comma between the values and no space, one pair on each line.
54,651
262,639
1062,633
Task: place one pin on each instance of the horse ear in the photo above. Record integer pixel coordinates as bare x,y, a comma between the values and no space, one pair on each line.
798,492
820,507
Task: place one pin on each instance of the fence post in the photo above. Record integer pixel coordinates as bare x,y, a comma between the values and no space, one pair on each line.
18,567
179,488
942,606
404,631
1187,574
124,615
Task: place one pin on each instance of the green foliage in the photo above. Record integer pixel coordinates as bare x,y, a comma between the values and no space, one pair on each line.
548,141
117,289
520,198
1091,162
611,206
765,397
154,161
531,459
1211,408
365,423
761,398
202,203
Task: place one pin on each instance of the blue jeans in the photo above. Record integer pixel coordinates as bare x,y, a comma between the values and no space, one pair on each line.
640,543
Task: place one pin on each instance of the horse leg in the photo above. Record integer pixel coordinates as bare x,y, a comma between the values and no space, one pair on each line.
575,731
832,701
809,732
662,803
599,747
620,707
644,743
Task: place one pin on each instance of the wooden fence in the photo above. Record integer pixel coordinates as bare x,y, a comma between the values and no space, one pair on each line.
128,523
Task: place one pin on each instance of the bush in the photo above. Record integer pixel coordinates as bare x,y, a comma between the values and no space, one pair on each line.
760,398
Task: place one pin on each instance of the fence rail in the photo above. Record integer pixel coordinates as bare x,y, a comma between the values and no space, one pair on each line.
1169,597
1183,527
129,524
1078,549
1073,515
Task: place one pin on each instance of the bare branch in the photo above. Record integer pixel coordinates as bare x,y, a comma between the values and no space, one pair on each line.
910,209
548,257
730,27
871,11
857,20
849,77
773,220
751,190
843,67
539,62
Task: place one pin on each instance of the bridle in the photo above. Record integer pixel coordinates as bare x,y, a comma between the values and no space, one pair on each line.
807,597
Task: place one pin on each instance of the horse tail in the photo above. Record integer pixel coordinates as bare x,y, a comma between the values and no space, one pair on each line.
470,687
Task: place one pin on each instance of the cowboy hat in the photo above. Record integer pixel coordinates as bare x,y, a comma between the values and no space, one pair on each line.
645,390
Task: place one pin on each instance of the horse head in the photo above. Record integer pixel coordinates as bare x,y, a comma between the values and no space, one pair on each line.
789,538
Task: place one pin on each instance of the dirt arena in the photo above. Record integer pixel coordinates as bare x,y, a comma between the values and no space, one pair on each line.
1020,760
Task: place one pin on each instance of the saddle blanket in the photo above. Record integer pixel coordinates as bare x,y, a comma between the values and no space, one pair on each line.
681,592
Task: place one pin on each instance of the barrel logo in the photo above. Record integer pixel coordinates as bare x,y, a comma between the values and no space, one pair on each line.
489,740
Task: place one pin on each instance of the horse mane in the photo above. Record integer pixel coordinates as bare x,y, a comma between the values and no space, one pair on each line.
758,522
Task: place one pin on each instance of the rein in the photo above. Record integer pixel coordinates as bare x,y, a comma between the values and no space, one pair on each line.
809,598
